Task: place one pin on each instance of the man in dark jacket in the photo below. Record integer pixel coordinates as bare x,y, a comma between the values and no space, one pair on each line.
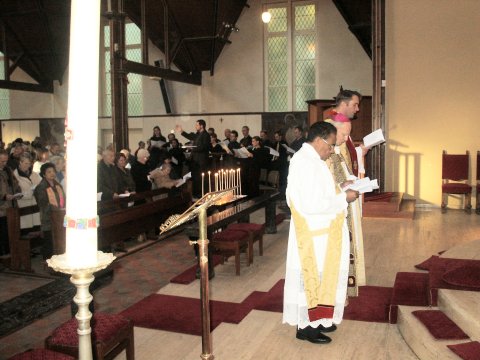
107,182
199,160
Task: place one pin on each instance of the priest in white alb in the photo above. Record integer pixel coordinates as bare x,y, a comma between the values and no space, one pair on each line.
318,244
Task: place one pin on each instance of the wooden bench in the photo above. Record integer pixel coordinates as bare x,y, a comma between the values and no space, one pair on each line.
118,221
20,239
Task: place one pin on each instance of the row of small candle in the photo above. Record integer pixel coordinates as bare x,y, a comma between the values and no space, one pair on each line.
223,179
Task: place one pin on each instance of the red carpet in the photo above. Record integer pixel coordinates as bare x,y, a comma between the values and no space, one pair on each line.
181,314
467,351
441,266
188,275
440,325
371,305
410,289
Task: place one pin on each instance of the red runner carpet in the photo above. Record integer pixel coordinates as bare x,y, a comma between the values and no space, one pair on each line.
372,304
181,314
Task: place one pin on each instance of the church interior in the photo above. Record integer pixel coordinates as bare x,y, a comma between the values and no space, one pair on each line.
169,63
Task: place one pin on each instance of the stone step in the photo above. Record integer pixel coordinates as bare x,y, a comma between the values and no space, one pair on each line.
422,343
463,307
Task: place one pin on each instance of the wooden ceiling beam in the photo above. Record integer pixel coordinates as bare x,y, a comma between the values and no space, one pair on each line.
157,72
48,31
23,86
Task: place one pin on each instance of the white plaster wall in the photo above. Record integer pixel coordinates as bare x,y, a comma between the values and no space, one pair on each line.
342,60
432,92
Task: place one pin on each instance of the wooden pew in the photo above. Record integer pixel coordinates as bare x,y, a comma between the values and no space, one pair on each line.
19,240
119,222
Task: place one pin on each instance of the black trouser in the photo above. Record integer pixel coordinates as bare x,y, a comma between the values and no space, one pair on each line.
47,245
197,168
4,244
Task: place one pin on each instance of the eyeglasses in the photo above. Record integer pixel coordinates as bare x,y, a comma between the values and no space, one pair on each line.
330,147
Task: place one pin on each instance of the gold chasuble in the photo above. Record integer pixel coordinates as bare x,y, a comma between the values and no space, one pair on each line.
320,294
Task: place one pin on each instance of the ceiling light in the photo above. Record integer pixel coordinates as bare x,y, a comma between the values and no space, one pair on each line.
266,17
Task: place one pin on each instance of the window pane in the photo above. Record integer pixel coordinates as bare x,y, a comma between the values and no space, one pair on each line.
305,72
277,48
278,23
4,94
134,54
132,34
277,73
135,101
302,94
305,46
305,17
106,36
277,98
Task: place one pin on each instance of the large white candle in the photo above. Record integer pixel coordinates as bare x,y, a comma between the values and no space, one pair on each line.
82,115
203,183
216,181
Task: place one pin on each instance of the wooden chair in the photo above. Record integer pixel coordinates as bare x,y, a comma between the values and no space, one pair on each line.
455,168
477,205
111,334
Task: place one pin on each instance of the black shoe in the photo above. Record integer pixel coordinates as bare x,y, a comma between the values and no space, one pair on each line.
312,335
329,329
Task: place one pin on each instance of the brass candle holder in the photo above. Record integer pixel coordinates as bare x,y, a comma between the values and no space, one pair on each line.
82,278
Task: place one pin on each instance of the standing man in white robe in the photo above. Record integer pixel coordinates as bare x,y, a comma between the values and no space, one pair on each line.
318,244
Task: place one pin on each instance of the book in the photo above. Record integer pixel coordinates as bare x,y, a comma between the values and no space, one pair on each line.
373,139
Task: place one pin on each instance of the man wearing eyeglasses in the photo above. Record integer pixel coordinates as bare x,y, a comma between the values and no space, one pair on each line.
318,242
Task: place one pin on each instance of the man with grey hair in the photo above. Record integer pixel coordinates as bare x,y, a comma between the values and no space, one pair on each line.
107,183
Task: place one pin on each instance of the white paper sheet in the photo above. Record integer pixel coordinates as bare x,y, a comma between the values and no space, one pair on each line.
289,149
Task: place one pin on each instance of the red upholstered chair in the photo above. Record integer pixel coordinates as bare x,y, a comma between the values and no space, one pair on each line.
455,168
477,205
232,242
111,334
256,230
41,354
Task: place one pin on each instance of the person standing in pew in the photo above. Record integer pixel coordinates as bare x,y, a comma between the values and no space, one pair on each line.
318,242
107,182
28,181
299,138
49,194
140,171
200,150
8,188
259,158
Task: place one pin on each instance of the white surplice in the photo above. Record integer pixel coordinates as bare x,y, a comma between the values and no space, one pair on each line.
312,191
